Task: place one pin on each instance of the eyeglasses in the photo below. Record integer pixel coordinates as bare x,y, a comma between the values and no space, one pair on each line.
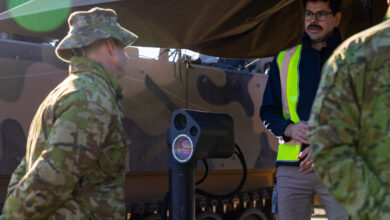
320,16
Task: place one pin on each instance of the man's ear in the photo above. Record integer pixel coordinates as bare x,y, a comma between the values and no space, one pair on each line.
109,44
338,18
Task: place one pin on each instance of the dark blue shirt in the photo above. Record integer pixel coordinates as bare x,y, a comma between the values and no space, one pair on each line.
310,66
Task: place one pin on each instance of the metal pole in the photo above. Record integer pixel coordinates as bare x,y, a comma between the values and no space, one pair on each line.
181,190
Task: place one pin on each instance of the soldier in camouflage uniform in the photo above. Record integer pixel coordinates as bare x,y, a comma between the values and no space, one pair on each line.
74,167
349,126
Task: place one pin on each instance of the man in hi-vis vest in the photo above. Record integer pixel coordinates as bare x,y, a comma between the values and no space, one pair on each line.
292,85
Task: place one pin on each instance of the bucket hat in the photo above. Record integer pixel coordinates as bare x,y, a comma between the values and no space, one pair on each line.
86,27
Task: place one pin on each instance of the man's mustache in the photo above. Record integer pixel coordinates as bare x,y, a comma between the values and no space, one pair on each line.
314,26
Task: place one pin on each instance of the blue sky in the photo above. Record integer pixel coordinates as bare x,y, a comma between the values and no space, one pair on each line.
152,52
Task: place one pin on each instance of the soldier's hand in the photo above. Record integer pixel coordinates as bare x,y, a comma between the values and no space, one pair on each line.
307,164
298,132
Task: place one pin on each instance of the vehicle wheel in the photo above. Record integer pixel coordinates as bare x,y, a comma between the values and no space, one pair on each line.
252,214
208,216
152,217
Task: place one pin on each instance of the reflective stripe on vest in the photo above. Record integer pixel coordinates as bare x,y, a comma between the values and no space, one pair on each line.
288,63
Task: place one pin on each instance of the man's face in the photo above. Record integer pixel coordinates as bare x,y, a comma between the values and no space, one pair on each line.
320,27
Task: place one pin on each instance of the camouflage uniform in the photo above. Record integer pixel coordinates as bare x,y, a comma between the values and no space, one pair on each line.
349,126
74,166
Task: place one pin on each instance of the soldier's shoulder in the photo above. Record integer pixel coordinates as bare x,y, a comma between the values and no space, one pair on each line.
364,45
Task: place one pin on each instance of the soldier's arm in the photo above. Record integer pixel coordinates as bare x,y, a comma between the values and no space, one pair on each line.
334,130
271,111
73,147
17,175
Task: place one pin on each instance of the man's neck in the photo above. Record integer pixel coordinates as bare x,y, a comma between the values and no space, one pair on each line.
318,45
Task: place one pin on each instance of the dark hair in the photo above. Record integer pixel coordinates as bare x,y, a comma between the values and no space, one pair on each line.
334,5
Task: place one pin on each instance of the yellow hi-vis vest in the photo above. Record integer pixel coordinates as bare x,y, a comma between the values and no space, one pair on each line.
288,63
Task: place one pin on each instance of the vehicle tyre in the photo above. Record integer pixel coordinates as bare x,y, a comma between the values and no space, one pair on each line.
208,216
152,217
252,214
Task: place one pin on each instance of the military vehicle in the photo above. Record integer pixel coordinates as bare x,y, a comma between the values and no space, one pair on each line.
155,88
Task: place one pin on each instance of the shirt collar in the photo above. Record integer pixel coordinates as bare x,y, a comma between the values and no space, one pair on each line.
83,64
331,43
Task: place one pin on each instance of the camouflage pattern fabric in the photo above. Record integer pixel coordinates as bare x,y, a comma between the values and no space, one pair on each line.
86,27
349,126
74,166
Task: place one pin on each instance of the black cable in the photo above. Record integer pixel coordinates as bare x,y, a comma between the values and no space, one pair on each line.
238,189
164,207
240,155
169,55
206,172
174,63
164,51
187,81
